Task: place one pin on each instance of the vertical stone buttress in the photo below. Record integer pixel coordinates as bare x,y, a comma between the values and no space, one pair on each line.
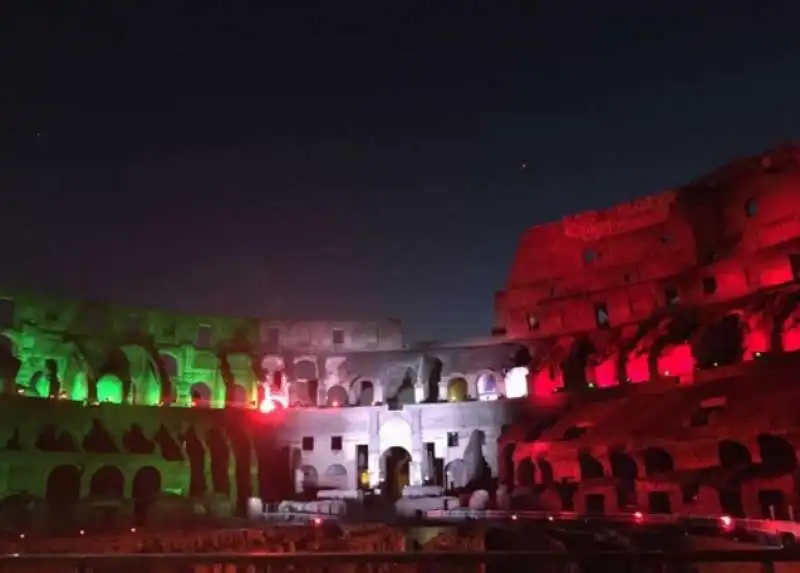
417,448
374,448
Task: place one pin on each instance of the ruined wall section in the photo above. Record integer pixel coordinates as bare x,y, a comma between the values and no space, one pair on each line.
727,235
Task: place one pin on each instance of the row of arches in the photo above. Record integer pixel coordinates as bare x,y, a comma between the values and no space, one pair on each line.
777,456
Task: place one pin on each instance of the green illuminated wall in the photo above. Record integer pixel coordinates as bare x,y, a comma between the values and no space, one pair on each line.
115,354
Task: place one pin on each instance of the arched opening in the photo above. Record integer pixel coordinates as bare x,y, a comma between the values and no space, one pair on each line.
526,473
785,334
107,482
239,398
110,389
18,509
305,370
778,456
455,474
721,343
337,397
434,378
396,463
309,478
201,395
657,461
590,467
545,472
507,465
623,467
146,488
487,386
457,390
335,477
366,393
574,365
62,493
399,391
733,455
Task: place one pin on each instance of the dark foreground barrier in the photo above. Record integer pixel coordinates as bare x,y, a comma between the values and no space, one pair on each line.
765,560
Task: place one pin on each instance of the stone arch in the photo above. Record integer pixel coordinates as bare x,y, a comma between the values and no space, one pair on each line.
396,468
146,488
335,477
671,352
336,397
488,385
456,474
590,467
526,473
399,386
657,461
722,342
109,482
309,477
545,472
110,388
305,369
170,364
623,467
144,373
63,486
395,432
733,454
201,395
777,454
785,334
575,364
363,392
18,508
457,389
239,397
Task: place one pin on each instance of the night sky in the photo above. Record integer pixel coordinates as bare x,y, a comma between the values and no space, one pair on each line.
358,159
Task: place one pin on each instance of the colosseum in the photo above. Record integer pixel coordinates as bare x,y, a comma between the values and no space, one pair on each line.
641,360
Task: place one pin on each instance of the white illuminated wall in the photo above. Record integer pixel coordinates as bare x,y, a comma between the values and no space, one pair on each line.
517,382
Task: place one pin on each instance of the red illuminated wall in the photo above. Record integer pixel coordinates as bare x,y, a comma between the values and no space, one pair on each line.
737,226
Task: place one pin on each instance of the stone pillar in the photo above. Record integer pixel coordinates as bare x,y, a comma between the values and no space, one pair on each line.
417,448
373,448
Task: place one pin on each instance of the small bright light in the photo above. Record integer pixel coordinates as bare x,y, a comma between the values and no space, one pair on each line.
317,521
335,404
82,532
270,402
638,516
550,518
22,536
133,530
666,372
716,364
726,521
514,517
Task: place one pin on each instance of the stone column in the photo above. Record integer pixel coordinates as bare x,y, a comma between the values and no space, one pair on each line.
417,448
374,448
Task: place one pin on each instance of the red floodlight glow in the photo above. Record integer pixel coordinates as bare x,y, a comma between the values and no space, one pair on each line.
638,517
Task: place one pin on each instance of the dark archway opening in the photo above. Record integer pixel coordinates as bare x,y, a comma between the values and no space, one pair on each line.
201,395
733,455
590,467
434,378
778,456
196,453
146,488
623,467
658,461
366,393
62,492
396,463
220,461
108,482
545,472
526,473
721,344
336,397
574,365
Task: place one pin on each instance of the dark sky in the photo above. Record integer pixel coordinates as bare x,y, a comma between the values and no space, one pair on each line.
358,159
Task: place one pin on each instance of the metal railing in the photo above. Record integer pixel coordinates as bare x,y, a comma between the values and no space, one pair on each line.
459,560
